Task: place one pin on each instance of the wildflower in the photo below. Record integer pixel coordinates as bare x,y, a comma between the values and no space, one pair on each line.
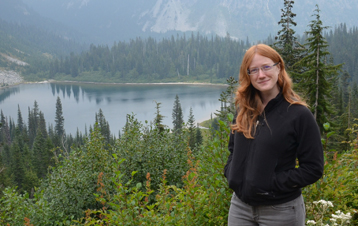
341,216
311,222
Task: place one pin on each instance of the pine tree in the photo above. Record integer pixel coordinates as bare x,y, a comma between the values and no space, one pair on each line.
191,129
227,99
103,126
3,129
42,125
158,120
177,115
40,155
59,120
286,42
198,136
20,121
17,165
318,75
4,179
33,122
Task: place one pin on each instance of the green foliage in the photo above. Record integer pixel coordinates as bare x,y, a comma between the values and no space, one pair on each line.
158,120
213,157
17,209
227,99
203,200
103,126
144,183
180,59
286,42
339,183
72,183
177,115
318,75
191,129
147,149
59,127
342,45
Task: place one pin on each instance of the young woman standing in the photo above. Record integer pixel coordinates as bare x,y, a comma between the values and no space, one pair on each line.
272,131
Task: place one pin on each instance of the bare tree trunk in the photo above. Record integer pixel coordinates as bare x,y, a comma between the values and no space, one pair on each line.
187,67
317,80
349,107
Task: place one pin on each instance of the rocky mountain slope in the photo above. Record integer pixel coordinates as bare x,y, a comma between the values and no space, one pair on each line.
112,20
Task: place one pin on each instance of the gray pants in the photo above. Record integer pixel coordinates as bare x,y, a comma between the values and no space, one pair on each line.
291,213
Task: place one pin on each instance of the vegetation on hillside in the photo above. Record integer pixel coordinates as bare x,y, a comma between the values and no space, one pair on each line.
154,176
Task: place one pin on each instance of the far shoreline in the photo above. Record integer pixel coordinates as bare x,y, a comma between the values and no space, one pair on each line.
135,83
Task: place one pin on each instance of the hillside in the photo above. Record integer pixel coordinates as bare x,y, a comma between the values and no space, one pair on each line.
119,20
23,45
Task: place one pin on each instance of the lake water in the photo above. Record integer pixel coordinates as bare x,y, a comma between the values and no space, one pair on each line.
80,102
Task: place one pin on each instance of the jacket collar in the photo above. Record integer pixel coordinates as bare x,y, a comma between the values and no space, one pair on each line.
274,102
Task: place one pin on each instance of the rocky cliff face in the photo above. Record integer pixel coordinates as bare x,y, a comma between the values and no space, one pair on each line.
8,78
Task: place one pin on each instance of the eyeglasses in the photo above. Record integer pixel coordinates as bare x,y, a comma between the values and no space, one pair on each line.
255,71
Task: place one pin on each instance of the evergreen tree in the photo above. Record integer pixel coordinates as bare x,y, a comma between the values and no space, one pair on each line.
191,129
3,138
177,115
158,120
318,75
40,157
17,165
20,121
4,179
103,126
198,136
286,42
59,122
214,126
345,78
5,130
227,99
42,125
33,122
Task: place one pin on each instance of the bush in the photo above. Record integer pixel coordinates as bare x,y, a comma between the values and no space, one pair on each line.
146,149
203,200
339,183
70,187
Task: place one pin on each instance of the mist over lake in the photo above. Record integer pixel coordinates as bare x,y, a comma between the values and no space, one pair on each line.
80,102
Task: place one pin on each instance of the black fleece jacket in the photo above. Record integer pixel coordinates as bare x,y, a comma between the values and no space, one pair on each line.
262,171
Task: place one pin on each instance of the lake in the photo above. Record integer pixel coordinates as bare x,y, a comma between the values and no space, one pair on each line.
81,101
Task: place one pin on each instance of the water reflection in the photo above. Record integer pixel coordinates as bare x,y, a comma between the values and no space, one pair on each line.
80,102
7,92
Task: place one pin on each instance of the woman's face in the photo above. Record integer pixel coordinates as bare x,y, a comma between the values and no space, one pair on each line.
264,81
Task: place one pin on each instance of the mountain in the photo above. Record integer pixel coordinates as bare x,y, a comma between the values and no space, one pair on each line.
16,11
26,36
113,20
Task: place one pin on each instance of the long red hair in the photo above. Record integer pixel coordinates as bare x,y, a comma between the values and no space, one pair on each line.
248,99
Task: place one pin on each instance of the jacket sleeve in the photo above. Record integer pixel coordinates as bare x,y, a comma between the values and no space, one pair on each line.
309,155
231,149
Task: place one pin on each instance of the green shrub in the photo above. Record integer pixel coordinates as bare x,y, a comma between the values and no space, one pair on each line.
70,187
146,149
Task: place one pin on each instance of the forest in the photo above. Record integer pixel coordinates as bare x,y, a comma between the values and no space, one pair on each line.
176,59
153,175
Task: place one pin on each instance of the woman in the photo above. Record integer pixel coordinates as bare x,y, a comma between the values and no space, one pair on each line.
272,129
